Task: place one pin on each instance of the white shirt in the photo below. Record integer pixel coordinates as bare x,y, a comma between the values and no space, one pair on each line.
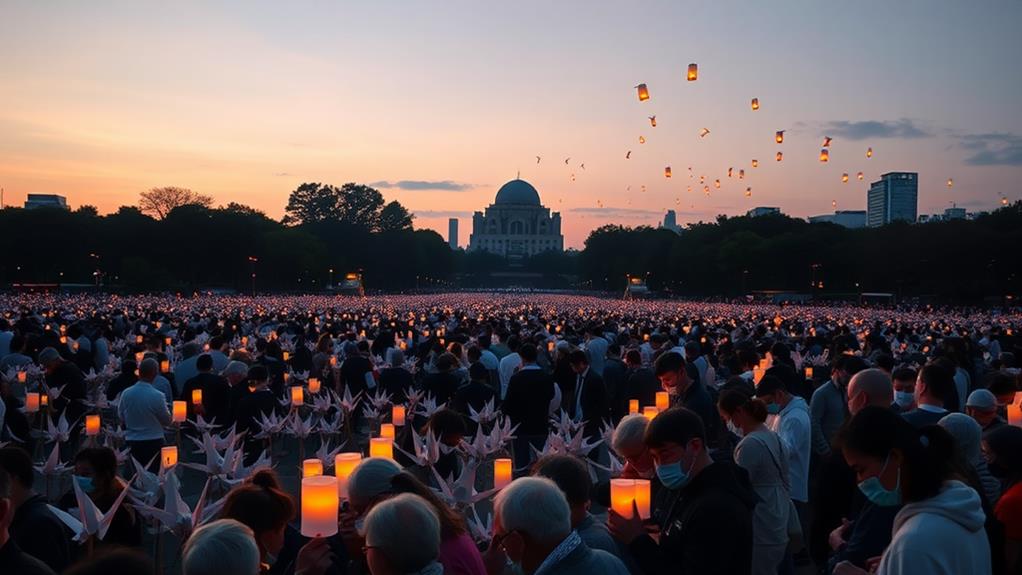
793,427
143,410
509,364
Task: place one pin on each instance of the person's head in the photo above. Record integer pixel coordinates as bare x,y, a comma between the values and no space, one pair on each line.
17,343
369,482
1002,448
121,561
967,435
747,359
528,352
982,406
530,518
693,350
49,359
395,357
772,391
264,507
741,411
217,343
676,439
446,362
148,369
448,426
190,349
893,461
572,478
869,387
220,547
633,358
884,362
904,380
1002,385
578,360
672,371
402,535
204,363
258,377
235,372
933,384
628,441
844,367
95,470
18,465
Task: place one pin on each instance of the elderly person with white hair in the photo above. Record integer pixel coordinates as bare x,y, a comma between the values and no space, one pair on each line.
969,437
532,529
628,445
402,537
221,547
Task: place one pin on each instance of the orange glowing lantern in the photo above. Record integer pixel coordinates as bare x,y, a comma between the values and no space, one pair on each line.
650,411
287,356
138,339
824,155
22,377
320,503
860,176
297,395
168,457
344,464
693,72
755,104
165,366
312,467
757,374
755,163
779,136
652,121
748,192
314,385
44,399
869,152
643,92
622,496
633,406
180,411
809,372
397,415
780,156
387,430
642,497
844,178
196,397
381,447
1015,412
92,425
950,183
667,172
663,400
501,472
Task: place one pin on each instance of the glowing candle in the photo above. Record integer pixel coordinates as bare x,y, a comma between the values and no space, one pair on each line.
397,415
166,341
92,425
755,103
501,472
44,400
663,400
809,372
165,366
138,339
333,361
381,447
344,464
633,406
643,92
312,467
320,503
180,413
764,363
387,430
650,411
31,401
757,374
139,356
287,356
22,377
196,397
168,457
550,346
1015,412
314,385
622,494
642,497
297,395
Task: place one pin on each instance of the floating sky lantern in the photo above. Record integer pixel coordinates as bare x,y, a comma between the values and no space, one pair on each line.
693,72
780,156
730,171
667,172
716,184
741,174
826,141
844,177
755,163
642,139
950,183
860,176
643,92
652,121
869,152
755,104
704,132
824,155
748,192
779,136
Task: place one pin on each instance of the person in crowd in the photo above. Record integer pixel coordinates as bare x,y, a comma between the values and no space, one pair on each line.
377,479
869,387
160,382
615,378
125,379
1004,387
68,378
789,419
628,442
642,382
34,528
12,559
761,453
216,392
588,401
443,383
509,364
236,374
356,371
252,407
681,381
968,436
572,477
933,384
395,379
95,471
704,511
321,359
532,530
940,528
220,547
981,405
474,395
16,357
185,368
1002,449
595,349
827,409
489,359
143,411
448,426
904,379
532,396
402,536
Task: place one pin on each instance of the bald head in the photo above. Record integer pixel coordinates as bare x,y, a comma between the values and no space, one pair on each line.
870,387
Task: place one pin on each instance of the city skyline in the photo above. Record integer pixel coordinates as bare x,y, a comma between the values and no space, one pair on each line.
438,108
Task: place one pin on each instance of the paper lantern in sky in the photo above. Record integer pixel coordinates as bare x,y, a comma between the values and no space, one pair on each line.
643,92
869,152
779,136
826,141
693,72
667,172
748,192
860,176
730,171
755,163
652,121
642,139
755,103
704,132
716,184
824,155
741,174
950,183
780,156
844,177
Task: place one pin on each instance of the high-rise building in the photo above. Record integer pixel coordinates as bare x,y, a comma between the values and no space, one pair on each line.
452,233
762,211
894,197
671,222
46,201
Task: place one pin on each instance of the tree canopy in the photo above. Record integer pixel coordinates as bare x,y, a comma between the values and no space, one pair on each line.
158,202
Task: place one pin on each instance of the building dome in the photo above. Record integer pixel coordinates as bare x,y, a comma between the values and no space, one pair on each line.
517,192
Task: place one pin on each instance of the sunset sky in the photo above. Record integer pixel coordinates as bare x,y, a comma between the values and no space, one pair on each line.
439,103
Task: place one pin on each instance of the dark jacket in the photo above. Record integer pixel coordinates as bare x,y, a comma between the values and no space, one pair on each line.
705,528
68,376
120,383
698,399
39,533
595,403
14,560
441,385
642,385
475,395
867,537
395,380
528,401
216,397
920,418
583,560
615,378
251,408
353,374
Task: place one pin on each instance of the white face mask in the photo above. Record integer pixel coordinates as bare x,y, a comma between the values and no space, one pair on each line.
904,398
735,429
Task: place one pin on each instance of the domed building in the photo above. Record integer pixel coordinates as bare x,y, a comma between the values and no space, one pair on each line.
516,225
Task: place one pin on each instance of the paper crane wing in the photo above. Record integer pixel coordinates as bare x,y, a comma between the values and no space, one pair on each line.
74,524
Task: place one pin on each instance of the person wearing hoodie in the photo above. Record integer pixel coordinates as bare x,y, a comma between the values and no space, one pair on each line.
940,528
789,418
704,511
1003,449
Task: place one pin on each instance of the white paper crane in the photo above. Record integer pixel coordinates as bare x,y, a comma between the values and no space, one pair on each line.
53,465
270,424
380,400
461,492
484,415
58,433
175,515
89,521
427,449
428,406
300,428
481,531
216,465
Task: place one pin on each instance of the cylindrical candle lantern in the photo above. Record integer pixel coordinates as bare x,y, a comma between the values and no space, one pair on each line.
633,406
693,72
139,356
165,366
44,400
809,372
92,425
501,472
320,503
297,395
314,385
663,400
1015,412
642,497
333,361
387,430
31,402
180,413
397,415
196,396
287,356
757,374
166,341
138,339
650,411
622,494
312,467
381,447
344,464
168,457
22,377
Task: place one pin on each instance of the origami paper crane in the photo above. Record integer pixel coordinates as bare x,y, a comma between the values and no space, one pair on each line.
53,465
427,449
89,521
175,515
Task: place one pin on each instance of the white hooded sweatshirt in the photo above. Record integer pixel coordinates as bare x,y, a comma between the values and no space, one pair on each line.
942,535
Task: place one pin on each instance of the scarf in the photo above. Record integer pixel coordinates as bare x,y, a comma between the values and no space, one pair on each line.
570,543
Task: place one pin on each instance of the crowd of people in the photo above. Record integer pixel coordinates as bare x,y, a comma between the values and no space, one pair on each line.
773,439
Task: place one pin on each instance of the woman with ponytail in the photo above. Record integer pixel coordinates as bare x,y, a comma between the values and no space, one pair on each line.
762,454
940,528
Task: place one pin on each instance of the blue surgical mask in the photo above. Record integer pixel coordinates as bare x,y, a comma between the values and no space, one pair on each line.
672,476
904,398
773,408
85,483
877,493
